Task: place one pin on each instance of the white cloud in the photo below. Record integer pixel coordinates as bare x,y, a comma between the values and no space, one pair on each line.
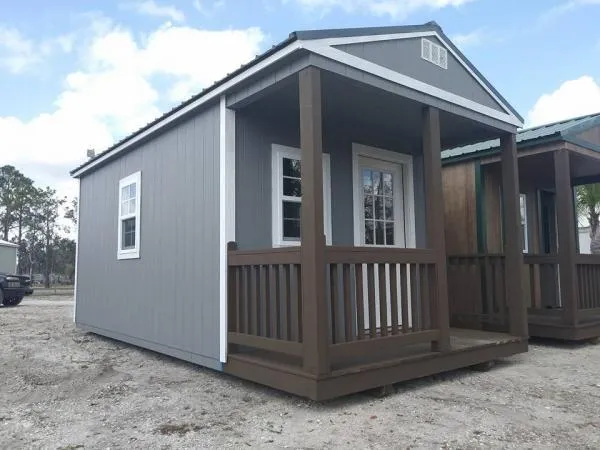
573,98
19,54
151,8
396,9
16,52
113,93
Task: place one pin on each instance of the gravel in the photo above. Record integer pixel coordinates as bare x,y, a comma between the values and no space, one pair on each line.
62,388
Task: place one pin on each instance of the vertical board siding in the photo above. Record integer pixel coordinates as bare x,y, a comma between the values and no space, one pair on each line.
255,134
404,56
169,297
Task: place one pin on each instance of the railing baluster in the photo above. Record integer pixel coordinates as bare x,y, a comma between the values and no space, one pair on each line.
247,299
371,300
532,289
299,300
333,287
394,298
267,303
383,319
414,296
360,301
489,288
256,300
404,297
287,295
425,296
348,334
277,300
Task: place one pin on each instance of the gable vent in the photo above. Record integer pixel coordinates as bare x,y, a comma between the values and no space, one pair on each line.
434,53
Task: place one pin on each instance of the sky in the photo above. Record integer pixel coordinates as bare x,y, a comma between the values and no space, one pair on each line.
82,74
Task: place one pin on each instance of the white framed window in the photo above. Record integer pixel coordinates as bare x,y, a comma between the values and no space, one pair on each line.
128,228
286,186
524,228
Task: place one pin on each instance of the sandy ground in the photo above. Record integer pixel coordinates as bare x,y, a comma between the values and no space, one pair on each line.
61,388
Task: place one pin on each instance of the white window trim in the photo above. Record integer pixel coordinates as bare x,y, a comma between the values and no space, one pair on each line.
406,162
130,253
524,221
278,153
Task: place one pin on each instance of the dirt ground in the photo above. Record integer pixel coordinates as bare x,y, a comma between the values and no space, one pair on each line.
62,388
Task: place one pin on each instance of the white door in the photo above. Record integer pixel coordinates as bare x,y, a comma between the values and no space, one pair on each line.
381,212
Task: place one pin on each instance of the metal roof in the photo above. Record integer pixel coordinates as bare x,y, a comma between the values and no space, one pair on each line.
4,243
300,36
553,131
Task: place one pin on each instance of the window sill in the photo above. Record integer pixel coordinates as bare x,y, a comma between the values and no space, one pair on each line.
129,255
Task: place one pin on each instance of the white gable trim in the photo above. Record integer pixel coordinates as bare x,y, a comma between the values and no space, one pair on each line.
387,37
412,83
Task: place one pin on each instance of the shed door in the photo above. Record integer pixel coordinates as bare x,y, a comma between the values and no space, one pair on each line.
381,215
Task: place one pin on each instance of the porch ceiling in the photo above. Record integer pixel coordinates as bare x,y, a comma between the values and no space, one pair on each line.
352,105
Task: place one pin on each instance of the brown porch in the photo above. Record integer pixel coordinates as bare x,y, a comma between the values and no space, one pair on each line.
323,321
561,286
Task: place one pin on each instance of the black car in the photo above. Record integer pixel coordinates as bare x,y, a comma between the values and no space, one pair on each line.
13,288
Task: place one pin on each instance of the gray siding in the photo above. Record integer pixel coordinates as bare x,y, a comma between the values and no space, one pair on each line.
8,259
404,56
255,133
168,299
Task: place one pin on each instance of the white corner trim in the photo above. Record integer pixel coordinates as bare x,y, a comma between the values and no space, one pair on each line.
406,162
133,253
412,83
203,99
278,152
387,37
76,253
226,211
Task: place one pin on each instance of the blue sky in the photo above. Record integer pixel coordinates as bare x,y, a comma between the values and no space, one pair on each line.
81,73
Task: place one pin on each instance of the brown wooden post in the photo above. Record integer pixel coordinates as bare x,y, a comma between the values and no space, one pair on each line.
434,205
315,328
567,247
513,247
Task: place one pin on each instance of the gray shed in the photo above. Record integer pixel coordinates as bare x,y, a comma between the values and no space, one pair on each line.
8,257
189,228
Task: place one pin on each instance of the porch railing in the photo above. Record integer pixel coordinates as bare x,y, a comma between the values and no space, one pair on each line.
541,282
378,300
588,282
265,307
477,292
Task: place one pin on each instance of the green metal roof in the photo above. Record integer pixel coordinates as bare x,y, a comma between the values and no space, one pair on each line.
563,130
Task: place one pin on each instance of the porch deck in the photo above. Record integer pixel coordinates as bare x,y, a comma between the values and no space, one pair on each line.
285,372
550,323
381,314
476,295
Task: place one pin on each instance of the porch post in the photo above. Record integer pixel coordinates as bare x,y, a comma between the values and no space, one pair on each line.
434,204
513,247
567,247
312,249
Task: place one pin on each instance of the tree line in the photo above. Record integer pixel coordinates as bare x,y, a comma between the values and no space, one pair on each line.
31,218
